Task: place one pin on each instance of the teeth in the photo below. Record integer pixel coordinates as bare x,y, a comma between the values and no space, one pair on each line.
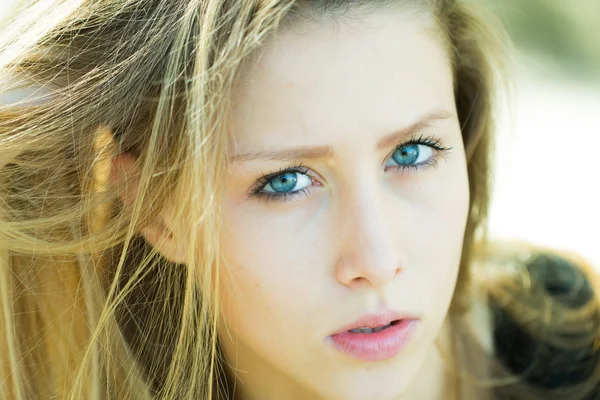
370,330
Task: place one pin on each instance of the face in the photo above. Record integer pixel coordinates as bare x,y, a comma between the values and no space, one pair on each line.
347,197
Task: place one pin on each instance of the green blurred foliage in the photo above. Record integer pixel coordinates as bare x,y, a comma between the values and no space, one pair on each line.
567,32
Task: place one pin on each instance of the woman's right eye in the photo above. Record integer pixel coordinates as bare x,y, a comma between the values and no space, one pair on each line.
283,185
287,182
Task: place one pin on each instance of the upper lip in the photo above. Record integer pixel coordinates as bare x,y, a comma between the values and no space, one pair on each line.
374,320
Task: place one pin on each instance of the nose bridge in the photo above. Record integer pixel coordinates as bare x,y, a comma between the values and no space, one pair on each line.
369,251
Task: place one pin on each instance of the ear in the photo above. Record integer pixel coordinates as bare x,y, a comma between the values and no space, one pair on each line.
160,233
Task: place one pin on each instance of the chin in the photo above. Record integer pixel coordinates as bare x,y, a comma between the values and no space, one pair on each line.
388,393
370,387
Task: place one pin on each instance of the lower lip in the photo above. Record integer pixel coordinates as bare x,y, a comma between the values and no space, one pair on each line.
376,346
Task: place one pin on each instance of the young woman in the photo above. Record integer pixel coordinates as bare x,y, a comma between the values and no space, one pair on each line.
268,199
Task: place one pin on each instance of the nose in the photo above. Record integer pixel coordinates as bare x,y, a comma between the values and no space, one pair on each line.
369,251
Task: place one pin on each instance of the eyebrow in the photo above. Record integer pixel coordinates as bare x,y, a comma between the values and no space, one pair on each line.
326,151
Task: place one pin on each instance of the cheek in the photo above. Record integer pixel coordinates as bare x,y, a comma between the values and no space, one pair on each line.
270,264
440,217
452,211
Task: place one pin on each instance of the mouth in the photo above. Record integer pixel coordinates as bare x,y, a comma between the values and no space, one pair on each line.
374,330
375,322
372,344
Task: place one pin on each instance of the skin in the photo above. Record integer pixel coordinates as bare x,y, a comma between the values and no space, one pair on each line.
365,234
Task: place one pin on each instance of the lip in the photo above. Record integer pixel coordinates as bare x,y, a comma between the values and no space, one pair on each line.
376,346
373,320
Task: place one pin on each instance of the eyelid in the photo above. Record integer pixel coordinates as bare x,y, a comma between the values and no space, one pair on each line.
430,140
281,197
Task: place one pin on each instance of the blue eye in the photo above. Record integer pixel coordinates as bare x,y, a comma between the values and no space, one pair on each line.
284,184
287,182
411,154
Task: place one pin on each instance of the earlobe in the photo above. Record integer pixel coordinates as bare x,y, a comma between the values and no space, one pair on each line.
159,233
161,237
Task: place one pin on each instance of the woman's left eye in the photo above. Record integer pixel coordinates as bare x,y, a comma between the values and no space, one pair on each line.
410,155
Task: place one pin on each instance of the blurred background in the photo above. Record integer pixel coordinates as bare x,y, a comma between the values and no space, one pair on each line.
547,180
547,186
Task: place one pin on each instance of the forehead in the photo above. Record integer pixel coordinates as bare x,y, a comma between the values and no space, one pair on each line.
317,83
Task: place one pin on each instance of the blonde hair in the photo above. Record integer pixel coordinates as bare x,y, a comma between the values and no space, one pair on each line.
152,78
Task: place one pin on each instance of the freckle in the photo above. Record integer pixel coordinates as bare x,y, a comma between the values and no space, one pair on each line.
289,84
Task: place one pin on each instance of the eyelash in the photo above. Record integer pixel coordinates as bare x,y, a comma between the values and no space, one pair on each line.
260,184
